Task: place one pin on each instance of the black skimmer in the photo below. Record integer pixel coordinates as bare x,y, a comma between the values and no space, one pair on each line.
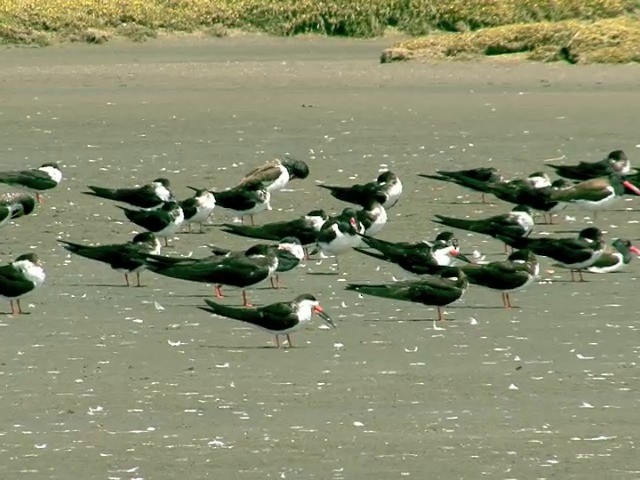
305,228
19,204
247,199
612,261
616,161
575,254
441,290
198,208
151,195
595,194
123,257
35,180
418,258
340,234
20,277
276,174
163,221
477,175
372,216
516,223
289,251
282,318
515,273
387,185
257,264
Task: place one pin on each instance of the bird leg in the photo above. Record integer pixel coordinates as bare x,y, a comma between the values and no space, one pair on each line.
277,342
252,222
138,278
201,227
189,227
572,277
506,300
580,275
39,198
484,199
126,278
245,302
289,340
275,283
440,315
13,309
218,291
166,241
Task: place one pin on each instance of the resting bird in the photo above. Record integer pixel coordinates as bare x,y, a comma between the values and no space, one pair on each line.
163,221
440,291
282,318
387,186
35,180
198,208
123,257
511,275
247,199
15,205
276,174
150,195
613,260
616,160
575,254
20,277
257,264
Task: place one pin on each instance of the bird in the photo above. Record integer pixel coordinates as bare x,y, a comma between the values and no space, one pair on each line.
281,318
576,254
304,228
339,234
515,273
478,176
616,160
516,223
20,277
418,258
595,194
36,180
441,290
247,199
150,195
372,216
612,261
163,221
257,264
387,185
198,208
123,257
277,173
288,250
18,204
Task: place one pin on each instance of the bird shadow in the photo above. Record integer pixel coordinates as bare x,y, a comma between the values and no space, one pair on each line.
250,347
325,274
398,320
484,307
118,285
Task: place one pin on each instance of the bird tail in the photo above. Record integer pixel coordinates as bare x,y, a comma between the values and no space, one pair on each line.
380,245
455,222
244,231
375,290
346,194
101,192
242,314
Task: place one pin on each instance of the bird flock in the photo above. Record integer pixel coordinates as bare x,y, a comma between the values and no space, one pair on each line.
441,271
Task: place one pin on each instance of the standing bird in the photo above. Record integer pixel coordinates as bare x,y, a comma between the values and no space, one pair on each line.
595,194
305,228
575,254
516,223
387,185
373,215
34,180
257,264
20,277
612,261
515,273
440,291
282,318
418,258
150,195
123,257
276,174
340,234
163,221
17,203
616,161
249,198
198,208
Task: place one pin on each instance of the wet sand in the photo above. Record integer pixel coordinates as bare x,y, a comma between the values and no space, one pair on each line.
103,381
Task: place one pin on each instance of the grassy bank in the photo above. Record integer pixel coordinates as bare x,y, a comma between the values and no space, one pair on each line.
539,27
